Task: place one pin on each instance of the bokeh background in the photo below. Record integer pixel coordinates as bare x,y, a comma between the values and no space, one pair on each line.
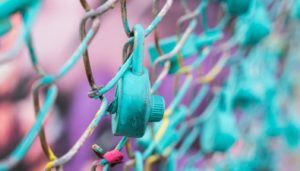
55,37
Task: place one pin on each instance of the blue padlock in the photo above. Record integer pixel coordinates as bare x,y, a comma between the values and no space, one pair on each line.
219,131
238,7
134,106
255,84
254,25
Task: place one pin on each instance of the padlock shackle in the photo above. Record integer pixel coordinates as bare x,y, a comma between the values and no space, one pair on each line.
138,50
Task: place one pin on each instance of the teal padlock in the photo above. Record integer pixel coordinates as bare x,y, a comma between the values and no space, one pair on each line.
134,106
5,26
219,131
254,25
249,93
238,7
138,161
255,83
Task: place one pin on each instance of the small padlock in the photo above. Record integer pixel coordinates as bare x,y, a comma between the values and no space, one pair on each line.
5,26
219,131
249,93
134,106
255,84
254,25
238,7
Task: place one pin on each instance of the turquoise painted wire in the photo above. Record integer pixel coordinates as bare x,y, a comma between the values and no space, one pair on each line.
154,22
119,147
194,104
188,141
117,77
94,123
123,68
71,62
179,96
18,154
172,106
139,161
202,8
199,60
209,111
220,25
189,164
21,150
198,99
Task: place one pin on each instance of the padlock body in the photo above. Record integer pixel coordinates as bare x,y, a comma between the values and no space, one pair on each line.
219,133
254,26
133,101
